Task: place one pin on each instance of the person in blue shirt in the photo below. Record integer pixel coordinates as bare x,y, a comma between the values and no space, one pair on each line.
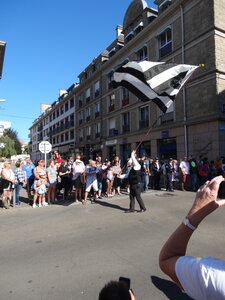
29,169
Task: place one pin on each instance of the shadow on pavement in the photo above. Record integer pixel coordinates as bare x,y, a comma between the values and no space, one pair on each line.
108,204
170,289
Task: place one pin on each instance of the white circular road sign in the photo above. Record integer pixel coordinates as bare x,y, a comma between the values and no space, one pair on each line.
45,147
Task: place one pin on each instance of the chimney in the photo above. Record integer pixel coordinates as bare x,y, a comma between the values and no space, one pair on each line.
44,106
119,30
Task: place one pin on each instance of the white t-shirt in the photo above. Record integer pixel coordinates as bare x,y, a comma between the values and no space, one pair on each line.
186,166
202,278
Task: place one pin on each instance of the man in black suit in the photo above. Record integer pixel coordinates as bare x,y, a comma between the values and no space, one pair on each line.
157,169
134,180
169,171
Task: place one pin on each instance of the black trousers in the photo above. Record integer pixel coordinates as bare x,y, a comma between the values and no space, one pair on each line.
135,192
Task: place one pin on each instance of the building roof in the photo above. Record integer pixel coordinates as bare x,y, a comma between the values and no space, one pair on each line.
2,53
134,10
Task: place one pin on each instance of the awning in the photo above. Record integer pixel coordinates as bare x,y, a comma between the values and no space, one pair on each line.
164,2
164,30
141,24
130,33
112,50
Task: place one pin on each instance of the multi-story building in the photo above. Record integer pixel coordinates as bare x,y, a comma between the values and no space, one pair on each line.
112,121
56,125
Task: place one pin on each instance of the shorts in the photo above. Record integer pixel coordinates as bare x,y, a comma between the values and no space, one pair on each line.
91,184
100,185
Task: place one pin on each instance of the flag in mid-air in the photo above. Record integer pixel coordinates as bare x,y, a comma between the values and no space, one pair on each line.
156,81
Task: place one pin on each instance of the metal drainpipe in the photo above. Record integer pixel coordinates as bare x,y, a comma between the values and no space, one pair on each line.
184,90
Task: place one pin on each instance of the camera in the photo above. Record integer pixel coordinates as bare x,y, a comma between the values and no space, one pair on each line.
221,192
126,281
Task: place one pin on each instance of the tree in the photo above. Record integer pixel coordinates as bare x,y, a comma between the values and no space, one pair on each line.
9,147
13,135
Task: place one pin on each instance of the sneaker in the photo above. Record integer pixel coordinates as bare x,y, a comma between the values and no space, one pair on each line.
34,205
39,205
44,204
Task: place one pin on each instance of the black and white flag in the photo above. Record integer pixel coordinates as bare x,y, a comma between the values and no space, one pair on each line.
156,81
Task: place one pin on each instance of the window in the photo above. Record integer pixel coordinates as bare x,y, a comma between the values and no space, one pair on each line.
80,101
125,96
143,117
111,102
61,110
80,117
66,136
129,36
126,122
142,54
57,113
88,114
66,106
110,80
165,42
72,134
88,132
62,138
72,103
88,95
112,127
97,110
80,134
97,127
97,89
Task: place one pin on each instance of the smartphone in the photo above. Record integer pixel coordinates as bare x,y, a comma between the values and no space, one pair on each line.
221,192
126,281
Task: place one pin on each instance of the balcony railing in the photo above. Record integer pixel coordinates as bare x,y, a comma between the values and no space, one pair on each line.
88,118
97,135
97,114
80,103
125,101
126,128
88,99
80,122
80,139
88,137
111,107
113,132
143,124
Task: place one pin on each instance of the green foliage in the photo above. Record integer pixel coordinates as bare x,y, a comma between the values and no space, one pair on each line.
9,148
13,135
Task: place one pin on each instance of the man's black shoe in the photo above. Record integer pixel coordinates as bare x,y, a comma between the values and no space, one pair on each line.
142,210
129,211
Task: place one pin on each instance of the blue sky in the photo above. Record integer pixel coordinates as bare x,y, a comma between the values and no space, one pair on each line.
49,43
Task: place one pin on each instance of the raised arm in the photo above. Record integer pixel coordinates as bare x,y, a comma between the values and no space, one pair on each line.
136,164
205,203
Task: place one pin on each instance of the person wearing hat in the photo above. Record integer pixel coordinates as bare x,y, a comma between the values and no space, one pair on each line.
157,169
169,171
134,180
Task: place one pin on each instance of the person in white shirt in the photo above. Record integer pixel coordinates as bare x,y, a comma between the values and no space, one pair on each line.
185,173
203,277
78,178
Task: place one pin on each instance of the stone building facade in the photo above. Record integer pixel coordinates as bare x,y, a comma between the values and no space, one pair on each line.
112,122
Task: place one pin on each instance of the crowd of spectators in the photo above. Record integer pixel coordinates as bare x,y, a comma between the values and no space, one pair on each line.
73,180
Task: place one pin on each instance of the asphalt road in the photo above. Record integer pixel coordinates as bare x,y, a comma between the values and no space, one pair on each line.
70,251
